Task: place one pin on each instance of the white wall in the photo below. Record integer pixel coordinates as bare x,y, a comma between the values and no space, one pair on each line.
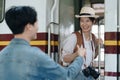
39,5
110,15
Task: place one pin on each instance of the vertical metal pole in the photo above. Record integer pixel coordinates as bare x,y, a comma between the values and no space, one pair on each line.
49,39
53,20
118,28
99,52
118,38
52,24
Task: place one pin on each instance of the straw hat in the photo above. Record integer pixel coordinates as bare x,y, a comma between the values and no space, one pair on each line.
87,12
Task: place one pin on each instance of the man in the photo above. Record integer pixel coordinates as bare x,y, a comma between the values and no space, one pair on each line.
20,61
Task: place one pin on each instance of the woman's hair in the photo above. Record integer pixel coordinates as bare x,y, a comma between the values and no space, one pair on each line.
19,16
91,18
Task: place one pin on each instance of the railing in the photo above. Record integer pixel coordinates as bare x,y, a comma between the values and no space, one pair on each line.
99,64
49,36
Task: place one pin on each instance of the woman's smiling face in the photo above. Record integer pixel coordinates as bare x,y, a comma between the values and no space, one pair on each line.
86,24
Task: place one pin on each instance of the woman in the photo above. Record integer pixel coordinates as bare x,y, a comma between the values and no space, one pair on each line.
85,39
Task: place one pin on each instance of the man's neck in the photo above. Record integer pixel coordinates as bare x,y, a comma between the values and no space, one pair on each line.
21,36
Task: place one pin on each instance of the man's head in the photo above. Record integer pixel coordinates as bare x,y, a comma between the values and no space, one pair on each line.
18,17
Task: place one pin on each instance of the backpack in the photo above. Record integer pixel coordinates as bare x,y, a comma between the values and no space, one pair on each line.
80,41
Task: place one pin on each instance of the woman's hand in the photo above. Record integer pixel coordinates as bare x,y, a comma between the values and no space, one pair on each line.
99,41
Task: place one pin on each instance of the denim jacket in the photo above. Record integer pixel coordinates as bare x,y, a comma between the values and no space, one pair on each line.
20,61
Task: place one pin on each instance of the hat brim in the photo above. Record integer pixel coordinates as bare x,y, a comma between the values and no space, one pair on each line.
79,16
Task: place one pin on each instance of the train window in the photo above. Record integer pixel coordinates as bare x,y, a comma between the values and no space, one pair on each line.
2,9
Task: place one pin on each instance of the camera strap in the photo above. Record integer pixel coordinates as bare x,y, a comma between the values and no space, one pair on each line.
80,41
92,47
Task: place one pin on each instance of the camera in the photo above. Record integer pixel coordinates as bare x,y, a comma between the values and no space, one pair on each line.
90,71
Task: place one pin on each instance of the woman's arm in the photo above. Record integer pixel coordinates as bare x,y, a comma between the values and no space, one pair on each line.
68,58
98,42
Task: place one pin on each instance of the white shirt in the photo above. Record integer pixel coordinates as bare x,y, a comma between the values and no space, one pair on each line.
69,45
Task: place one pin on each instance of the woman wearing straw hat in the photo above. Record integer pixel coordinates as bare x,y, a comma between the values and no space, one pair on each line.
85,39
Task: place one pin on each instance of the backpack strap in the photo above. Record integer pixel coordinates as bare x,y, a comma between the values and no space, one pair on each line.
79,39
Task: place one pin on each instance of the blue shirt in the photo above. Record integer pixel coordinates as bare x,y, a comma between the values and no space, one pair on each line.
20,61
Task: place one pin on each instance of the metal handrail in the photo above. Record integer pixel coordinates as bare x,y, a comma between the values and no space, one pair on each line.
49,36
99,46
99,56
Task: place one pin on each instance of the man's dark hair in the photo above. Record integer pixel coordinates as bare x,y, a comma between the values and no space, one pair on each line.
19,16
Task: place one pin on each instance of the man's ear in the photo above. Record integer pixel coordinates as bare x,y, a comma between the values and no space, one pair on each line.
28,27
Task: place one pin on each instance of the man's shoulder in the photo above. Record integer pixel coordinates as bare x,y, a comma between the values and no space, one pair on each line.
37,51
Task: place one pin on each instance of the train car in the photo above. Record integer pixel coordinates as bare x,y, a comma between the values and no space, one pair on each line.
57,21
